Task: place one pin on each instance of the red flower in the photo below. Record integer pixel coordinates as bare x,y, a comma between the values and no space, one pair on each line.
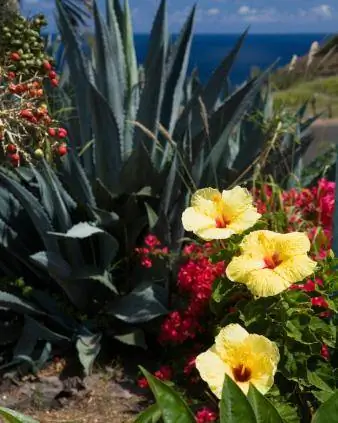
319,302
143,383
164,373
205,415
152,241
325,353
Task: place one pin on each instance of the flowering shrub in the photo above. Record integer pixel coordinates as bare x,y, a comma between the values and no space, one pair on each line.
27,131
274,286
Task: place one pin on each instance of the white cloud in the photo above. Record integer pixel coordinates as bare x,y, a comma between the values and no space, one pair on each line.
323,10
246,10
213,12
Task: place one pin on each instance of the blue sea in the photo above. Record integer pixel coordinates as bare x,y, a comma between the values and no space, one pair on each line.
258,50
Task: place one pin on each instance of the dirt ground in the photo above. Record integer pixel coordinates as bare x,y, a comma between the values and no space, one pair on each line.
109,395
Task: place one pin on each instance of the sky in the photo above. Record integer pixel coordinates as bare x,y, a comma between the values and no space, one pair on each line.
226,16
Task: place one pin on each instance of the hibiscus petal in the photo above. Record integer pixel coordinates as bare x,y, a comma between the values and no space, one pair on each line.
239,269
205,201
236,200
194,221
212,370
296,268
214,233
245,220
293,244
228,338
259,243
265,283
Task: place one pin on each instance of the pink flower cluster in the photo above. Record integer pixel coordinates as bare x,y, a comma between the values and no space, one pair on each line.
164,373
152,250
205,415
195,279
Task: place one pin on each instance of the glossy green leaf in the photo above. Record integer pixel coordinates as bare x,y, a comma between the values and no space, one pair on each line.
234,406
173,408
327,412
151,415
264,411
12,416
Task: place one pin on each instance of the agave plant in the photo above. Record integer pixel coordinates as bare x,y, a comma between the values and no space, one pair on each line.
66,259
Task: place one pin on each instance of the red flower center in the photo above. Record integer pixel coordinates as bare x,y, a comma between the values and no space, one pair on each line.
272,262
221,221
241,373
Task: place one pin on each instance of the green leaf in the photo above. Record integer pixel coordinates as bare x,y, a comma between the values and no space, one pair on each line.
144,303
17,304
53,263
12,416
171,405
151,415
328,412
152,216
88,347
134,337
234,406
264,411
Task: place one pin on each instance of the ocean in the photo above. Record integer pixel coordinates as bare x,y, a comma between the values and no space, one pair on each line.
259,50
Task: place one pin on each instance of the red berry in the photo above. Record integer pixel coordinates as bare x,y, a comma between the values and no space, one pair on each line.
62,150
51,132
11,75
27,114
15,56
12,87
47,65
11,148
54,82
52,74
62,133
15,159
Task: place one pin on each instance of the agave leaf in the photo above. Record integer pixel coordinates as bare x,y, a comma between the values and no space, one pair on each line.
151,97
45,194
32,332
107,244
141,305
108,74
108,159
217,155
115,40
53,263
216,82
78,75
34,209
17,304
129,48
134,337
177,72
76,180
152,216
158,32
114,11
88,347
208,94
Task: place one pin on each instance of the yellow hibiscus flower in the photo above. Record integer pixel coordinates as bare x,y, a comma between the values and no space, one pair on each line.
216,215
270,262
246,358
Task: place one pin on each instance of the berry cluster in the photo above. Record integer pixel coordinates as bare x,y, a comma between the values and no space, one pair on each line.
27,131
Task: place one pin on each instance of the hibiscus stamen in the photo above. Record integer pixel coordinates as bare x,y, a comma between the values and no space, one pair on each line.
273,261
241,373
221,221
